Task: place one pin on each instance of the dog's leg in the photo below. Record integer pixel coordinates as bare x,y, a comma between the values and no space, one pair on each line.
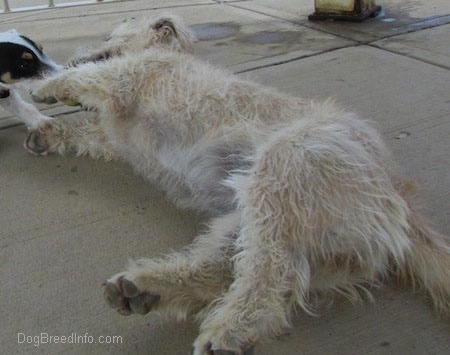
82,135
271,270
23,110
258,304
92,85
94,55
182,282
319,196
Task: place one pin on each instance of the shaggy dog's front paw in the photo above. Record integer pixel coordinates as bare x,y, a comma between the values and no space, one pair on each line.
125,296
51,90
41,97
35,143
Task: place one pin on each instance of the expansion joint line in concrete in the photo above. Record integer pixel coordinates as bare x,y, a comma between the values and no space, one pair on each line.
409,28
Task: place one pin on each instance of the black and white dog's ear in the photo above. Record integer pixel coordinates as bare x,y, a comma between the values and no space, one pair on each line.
40,46
33,44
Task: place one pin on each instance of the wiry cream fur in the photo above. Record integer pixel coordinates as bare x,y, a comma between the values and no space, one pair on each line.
85,135
306,194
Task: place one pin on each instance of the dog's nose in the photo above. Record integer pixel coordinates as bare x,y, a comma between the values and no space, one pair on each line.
4,93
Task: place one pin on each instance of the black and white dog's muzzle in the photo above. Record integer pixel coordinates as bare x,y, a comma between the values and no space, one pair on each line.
21,59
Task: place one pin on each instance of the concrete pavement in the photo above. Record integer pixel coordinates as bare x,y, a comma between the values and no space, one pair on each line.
68,223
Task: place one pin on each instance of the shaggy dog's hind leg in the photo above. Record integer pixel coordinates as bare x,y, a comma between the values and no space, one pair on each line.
271,270
318,195
181,283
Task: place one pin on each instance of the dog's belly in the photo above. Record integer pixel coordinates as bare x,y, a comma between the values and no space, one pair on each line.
204,169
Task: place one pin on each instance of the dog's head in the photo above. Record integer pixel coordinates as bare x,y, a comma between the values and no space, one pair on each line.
21,58
167,31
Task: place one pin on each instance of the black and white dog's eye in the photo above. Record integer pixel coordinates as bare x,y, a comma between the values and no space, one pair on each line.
24,63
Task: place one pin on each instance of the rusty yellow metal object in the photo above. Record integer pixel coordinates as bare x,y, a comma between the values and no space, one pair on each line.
345,10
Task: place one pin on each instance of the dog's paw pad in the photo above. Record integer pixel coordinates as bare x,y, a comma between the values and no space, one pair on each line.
125,296
35,143
129,289
208,349
143,303
113,295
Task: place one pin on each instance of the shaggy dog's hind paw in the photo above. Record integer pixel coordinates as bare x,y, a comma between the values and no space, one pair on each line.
124,296
207,350
249,351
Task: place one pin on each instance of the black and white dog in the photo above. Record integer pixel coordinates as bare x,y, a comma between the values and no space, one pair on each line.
21,59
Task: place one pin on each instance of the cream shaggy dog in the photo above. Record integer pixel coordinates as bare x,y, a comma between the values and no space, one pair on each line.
306,195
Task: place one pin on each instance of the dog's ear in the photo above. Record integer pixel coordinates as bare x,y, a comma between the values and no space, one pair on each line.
170,27
39,46
165,28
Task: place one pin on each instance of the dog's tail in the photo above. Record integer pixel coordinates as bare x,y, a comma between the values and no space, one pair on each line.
427,262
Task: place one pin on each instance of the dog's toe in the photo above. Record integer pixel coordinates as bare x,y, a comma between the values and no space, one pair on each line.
113,295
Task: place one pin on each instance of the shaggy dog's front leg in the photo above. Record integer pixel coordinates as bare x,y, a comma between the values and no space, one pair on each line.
65,86
181,283
92,85
85,136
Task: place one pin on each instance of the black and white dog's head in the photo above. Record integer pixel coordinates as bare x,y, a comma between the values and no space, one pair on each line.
21,58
